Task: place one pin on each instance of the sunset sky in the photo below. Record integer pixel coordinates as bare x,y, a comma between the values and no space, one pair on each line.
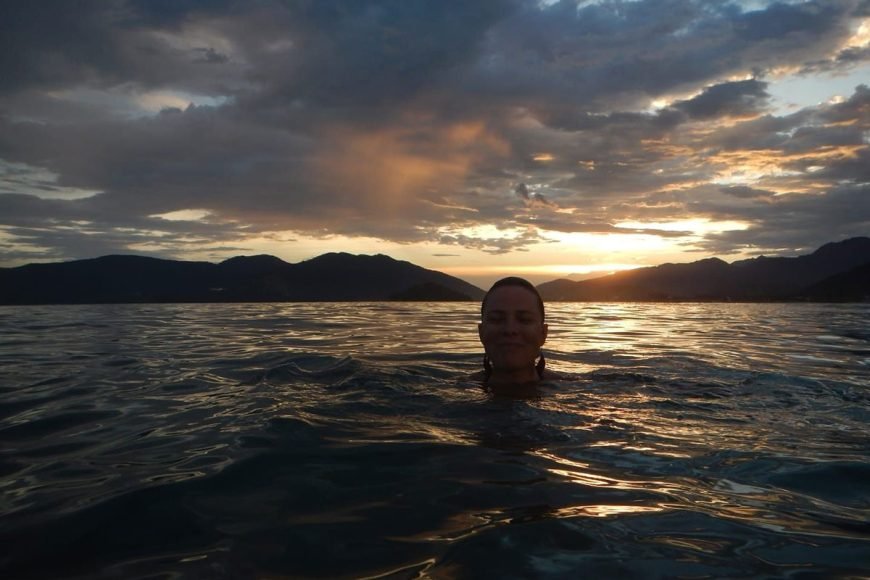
478,138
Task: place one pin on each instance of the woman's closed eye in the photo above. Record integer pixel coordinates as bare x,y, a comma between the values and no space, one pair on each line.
501,318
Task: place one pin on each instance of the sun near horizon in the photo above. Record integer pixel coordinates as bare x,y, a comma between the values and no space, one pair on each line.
564,256
555,255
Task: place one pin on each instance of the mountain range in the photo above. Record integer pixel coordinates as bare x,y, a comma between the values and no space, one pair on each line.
330,277
838,271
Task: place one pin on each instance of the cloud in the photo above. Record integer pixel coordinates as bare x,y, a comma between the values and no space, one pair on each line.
797,223
532,198
522,190
746,192
735,99
420,121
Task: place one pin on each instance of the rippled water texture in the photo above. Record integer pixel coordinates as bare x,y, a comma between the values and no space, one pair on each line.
340,440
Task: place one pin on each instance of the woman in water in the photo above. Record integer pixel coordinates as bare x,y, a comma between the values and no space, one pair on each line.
512,330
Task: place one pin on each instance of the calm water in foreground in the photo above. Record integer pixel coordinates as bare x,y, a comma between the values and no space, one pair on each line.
339,440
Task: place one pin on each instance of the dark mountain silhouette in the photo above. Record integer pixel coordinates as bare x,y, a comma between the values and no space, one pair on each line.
851,286
835,272
330,277
812,277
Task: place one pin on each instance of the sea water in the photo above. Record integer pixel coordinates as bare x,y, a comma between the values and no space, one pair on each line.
343,440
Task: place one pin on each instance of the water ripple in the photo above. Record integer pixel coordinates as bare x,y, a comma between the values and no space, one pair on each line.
312,440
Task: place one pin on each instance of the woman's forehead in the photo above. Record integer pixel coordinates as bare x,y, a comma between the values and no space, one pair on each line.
512,298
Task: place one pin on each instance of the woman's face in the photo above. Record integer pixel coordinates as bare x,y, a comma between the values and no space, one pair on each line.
512,330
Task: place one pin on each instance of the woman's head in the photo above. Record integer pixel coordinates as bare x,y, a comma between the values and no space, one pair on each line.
512,329
516,282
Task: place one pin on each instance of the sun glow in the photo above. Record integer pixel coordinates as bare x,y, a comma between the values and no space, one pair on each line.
697,226
485,232
598,244
573,271
861,38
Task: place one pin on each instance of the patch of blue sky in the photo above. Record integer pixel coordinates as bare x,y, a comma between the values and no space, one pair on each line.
795,92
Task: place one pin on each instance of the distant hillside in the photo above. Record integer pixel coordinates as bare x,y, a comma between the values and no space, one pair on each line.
835,272
822,275
851,286
330,277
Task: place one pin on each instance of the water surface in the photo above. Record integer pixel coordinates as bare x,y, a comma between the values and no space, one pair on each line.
339,440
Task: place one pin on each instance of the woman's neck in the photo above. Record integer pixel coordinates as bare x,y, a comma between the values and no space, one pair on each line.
518,377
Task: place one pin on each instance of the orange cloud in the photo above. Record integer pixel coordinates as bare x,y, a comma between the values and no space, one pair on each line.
389,169
766,163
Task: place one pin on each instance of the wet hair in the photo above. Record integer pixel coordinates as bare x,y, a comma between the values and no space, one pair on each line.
522,283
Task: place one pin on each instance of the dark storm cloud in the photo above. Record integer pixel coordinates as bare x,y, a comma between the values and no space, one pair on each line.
810,131
531,198
53,43
619,55
406,119
844,58
102,43
727,99
358,53
746,192
523,191
786,23
797,223
87,227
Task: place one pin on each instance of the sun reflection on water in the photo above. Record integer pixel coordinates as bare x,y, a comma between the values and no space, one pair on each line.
681,435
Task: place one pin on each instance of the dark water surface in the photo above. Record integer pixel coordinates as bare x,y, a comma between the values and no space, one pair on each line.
337,440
